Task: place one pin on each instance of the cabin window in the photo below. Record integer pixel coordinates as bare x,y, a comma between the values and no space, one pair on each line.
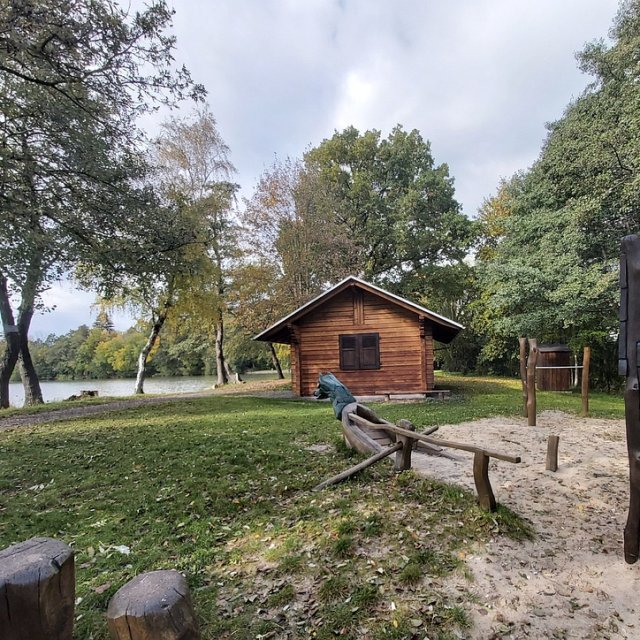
360,351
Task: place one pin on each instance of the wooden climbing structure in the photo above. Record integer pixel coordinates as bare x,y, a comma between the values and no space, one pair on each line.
366,432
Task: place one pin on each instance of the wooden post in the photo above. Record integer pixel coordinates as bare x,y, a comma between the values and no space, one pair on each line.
153,606
523,373
481,476
629,366
37,590
403,456
552,453
586,361
531,382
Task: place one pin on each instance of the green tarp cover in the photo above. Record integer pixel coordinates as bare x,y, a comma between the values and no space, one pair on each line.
330,387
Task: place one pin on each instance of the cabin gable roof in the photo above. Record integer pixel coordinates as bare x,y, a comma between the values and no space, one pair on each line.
444,329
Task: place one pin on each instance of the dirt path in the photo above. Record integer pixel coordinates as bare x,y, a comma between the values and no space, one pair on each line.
571,581
56,415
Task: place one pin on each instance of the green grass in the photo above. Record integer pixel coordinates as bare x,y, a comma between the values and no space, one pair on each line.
221,489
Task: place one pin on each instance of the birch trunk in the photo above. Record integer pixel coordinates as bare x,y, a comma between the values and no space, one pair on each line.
28,373
275,361
146,350
12,338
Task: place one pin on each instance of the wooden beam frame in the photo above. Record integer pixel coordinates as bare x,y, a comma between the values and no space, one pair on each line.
407,438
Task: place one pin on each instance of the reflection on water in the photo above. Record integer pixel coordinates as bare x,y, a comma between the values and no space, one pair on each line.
53,391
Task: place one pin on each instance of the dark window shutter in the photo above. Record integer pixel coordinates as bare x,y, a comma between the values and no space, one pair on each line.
369,351
348,353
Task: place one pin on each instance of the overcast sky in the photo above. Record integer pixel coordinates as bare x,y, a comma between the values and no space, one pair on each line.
477,78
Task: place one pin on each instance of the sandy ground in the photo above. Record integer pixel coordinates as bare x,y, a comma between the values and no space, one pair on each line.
571,581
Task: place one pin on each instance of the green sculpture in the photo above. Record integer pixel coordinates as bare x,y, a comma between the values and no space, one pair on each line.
330,387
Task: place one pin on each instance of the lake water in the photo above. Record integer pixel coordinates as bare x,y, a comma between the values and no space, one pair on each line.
59,390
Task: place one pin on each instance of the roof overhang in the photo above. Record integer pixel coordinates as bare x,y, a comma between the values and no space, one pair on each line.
444,329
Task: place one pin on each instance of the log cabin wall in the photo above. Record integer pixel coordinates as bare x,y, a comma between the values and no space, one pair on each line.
406,356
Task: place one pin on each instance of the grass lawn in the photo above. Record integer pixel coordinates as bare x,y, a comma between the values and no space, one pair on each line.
221,489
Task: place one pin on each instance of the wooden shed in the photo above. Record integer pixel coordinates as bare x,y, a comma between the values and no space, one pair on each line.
554,355
375,342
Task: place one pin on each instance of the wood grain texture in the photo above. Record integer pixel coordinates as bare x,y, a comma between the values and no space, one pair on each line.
153,606
552,453
359,467
554,379
37,590
629,362
486,499
403,456
406,359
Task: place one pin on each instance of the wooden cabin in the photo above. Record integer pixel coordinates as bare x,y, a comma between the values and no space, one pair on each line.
375,342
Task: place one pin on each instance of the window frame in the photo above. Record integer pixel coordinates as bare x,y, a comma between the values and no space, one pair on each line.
357,349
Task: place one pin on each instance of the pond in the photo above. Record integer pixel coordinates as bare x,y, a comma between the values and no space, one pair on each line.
53,391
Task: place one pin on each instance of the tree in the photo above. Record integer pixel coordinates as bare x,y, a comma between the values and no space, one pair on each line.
554,273
392,201
194,165
256,302
76,74
286,233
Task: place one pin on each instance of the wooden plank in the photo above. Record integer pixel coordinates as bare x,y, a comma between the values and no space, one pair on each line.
486,498
359,467
437,441
552,453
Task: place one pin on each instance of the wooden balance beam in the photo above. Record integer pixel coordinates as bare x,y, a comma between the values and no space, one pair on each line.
406,441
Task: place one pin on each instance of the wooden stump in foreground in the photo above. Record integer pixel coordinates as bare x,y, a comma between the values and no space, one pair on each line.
153,606
37,590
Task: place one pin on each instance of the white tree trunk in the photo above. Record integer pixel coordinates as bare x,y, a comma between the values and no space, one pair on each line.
146,350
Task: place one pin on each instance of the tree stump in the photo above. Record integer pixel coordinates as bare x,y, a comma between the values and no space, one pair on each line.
37,590
153,606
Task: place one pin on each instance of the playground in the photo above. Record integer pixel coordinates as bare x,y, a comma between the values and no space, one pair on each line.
571,581
221,488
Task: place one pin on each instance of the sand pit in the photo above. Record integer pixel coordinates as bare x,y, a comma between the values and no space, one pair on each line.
571,581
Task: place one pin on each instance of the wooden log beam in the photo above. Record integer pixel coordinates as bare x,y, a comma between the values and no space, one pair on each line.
359,467
486,498
552,453
437,441
531,382
403,456
37,590
153,606
523,373
586,361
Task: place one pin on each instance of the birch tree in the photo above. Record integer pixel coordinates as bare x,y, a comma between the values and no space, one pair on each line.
193,161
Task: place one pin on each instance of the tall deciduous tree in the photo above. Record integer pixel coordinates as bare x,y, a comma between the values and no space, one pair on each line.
75,76
392,201
194,166
554,273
